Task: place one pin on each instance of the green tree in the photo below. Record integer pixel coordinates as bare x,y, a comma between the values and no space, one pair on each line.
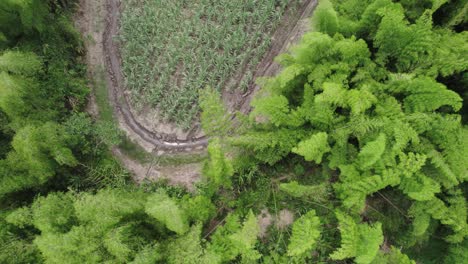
218,169
38,153
325,18
168,212
360,241
215,118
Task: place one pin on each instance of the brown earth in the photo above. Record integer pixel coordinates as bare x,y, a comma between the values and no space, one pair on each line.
282,220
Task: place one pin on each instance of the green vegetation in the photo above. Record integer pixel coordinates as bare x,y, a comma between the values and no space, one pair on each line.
356,152
47,145
370,103
171,50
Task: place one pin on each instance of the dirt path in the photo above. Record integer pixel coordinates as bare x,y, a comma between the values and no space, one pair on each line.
287,33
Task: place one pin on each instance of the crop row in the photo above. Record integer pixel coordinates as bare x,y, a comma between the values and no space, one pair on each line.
171,49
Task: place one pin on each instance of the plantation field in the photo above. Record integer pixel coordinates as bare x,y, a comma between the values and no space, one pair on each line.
172,49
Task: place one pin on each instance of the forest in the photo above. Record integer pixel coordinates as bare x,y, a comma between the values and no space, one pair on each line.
355,152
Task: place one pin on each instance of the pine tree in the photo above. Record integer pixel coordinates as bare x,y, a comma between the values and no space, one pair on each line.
244,240
22,16
38,153
20,63
215,119
393,256
234,239
317,193
186,249
325,18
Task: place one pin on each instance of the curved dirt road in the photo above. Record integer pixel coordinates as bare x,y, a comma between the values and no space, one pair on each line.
160,142
287,33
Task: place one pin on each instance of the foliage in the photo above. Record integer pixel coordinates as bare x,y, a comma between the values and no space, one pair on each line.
313,148
18,16
393,256
37,153
361,241
234,239
120,226
317,193
371,99
366,113
325,18
218,169
165,210
305,233
199,208
214,117
41,83
244,239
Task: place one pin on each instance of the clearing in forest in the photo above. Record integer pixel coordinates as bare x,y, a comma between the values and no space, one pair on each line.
171,49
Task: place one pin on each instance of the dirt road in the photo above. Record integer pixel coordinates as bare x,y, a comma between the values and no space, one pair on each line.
98,21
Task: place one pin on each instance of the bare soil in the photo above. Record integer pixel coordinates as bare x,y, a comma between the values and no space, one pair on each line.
89,20
184,175
264,220
284,219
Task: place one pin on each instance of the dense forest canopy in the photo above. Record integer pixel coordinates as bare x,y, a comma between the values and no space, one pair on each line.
356,152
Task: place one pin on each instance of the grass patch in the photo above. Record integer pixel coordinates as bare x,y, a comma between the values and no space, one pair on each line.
178,159
106,114
134,151
101,93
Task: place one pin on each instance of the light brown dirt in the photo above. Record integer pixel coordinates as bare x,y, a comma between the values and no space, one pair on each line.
185,175
284,219
89,19
264,220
